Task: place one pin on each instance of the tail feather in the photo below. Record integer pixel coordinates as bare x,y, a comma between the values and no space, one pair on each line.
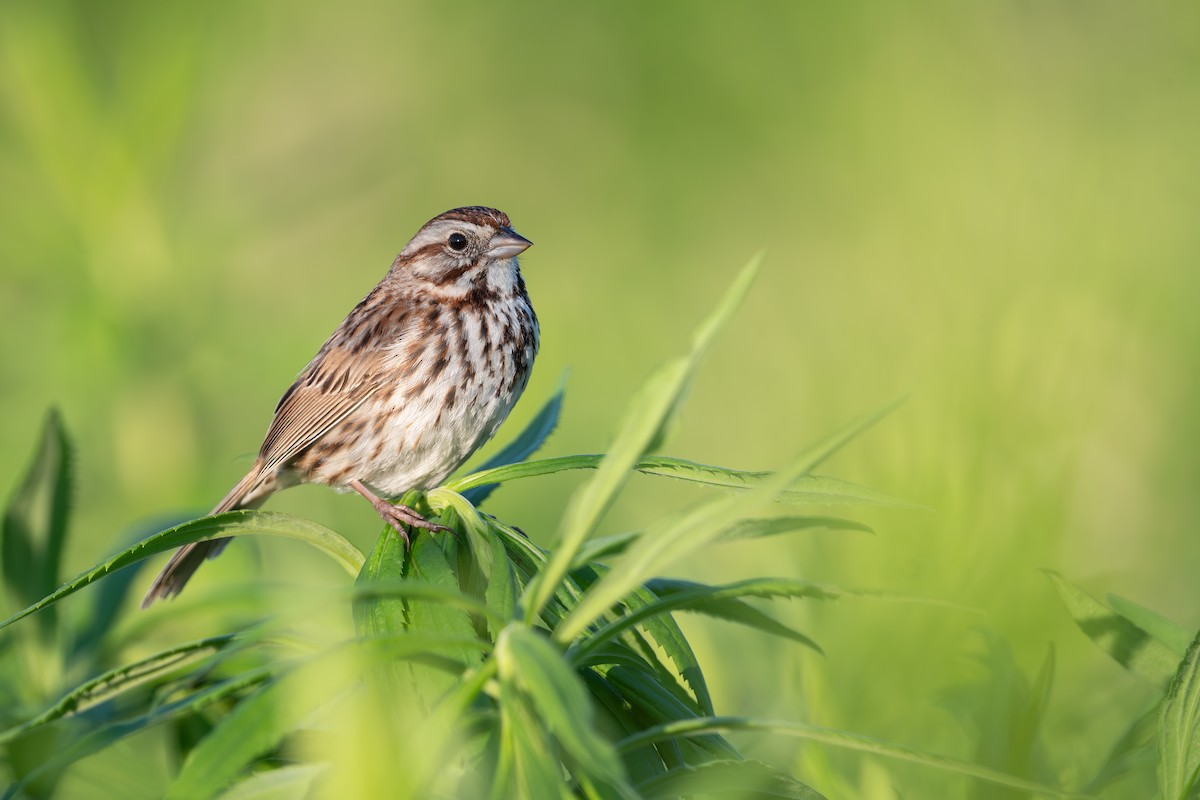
187,559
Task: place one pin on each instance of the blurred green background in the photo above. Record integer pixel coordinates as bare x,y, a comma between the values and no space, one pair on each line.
989,207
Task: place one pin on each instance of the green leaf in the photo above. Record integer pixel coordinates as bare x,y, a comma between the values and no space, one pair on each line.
722,602
655,704
734,779
115,681
1171,634
666,635
430,566
94,635
616,720
376,615
645,423
645,417
501,594
806,490
718,601
35,521
260,722
526,444
602,546
774,526
292,782
683,534
101,737
232,523
1125,642
1178,744
530,666
1134,749
850,741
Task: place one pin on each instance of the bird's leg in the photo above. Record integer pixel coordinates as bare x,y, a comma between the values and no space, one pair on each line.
396,514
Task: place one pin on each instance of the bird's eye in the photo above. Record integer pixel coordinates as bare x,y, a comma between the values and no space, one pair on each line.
457,241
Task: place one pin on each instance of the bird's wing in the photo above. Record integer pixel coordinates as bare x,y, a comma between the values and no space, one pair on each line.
355,364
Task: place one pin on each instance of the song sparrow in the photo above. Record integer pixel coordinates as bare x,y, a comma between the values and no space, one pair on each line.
418,376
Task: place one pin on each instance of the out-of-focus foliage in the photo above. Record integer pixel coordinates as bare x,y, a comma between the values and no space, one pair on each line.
990,207
480,664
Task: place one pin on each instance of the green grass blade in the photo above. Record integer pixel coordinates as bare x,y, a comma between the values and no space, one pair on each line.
115,681
430,566
292,782
836,738
1178,744
734,778
616,718
501,593
707,331
667,637
1126,643
528,442
604,546
645,424
774,526
94,636
1172,634
260,722
530,666
697,528
233,523
378,614
654,703
101,737
647,414
1133,750
35,520
806,490
712,600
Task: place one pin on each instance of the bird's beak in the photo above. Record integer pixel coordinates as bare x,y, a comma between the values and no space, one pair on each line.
506,244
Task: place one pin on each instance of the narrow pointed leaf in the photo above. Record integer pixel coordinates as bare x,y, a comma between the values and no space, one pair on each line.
260,722
729,778
531,663
806,490
604,546
685,534
664,632
99,738
1172,634
35,521
843,739
233,523
713,600
1126,643
656,704
648,417
292,782
1178,742
429,566
115,681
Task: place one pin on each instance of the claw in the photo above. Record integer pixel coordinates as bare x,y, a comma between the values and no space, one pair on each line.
398,515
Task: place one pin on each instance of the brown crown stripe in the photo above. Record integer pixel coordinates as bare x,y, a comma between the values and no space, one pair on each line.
476,215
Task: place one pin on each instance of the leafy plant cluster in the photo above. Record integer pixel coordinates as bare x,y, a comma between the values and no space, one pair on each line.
479,664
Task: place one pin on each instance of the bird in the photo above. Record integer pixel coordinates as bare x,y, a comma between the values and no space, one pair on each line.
418,376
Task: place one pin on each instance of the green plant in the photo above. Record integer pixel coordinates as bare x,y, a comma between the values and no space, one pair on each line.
1165,655
478,665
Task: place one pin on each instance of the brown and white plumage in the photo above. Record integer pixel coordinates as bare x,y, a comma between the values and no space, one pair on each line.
419,375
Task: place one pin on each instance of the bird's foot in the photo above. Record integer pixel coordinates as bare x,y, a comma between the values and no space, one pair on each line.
398,515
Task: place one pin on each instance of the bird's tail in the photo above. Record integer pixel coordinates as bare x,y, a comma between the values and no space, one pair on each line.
247,493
